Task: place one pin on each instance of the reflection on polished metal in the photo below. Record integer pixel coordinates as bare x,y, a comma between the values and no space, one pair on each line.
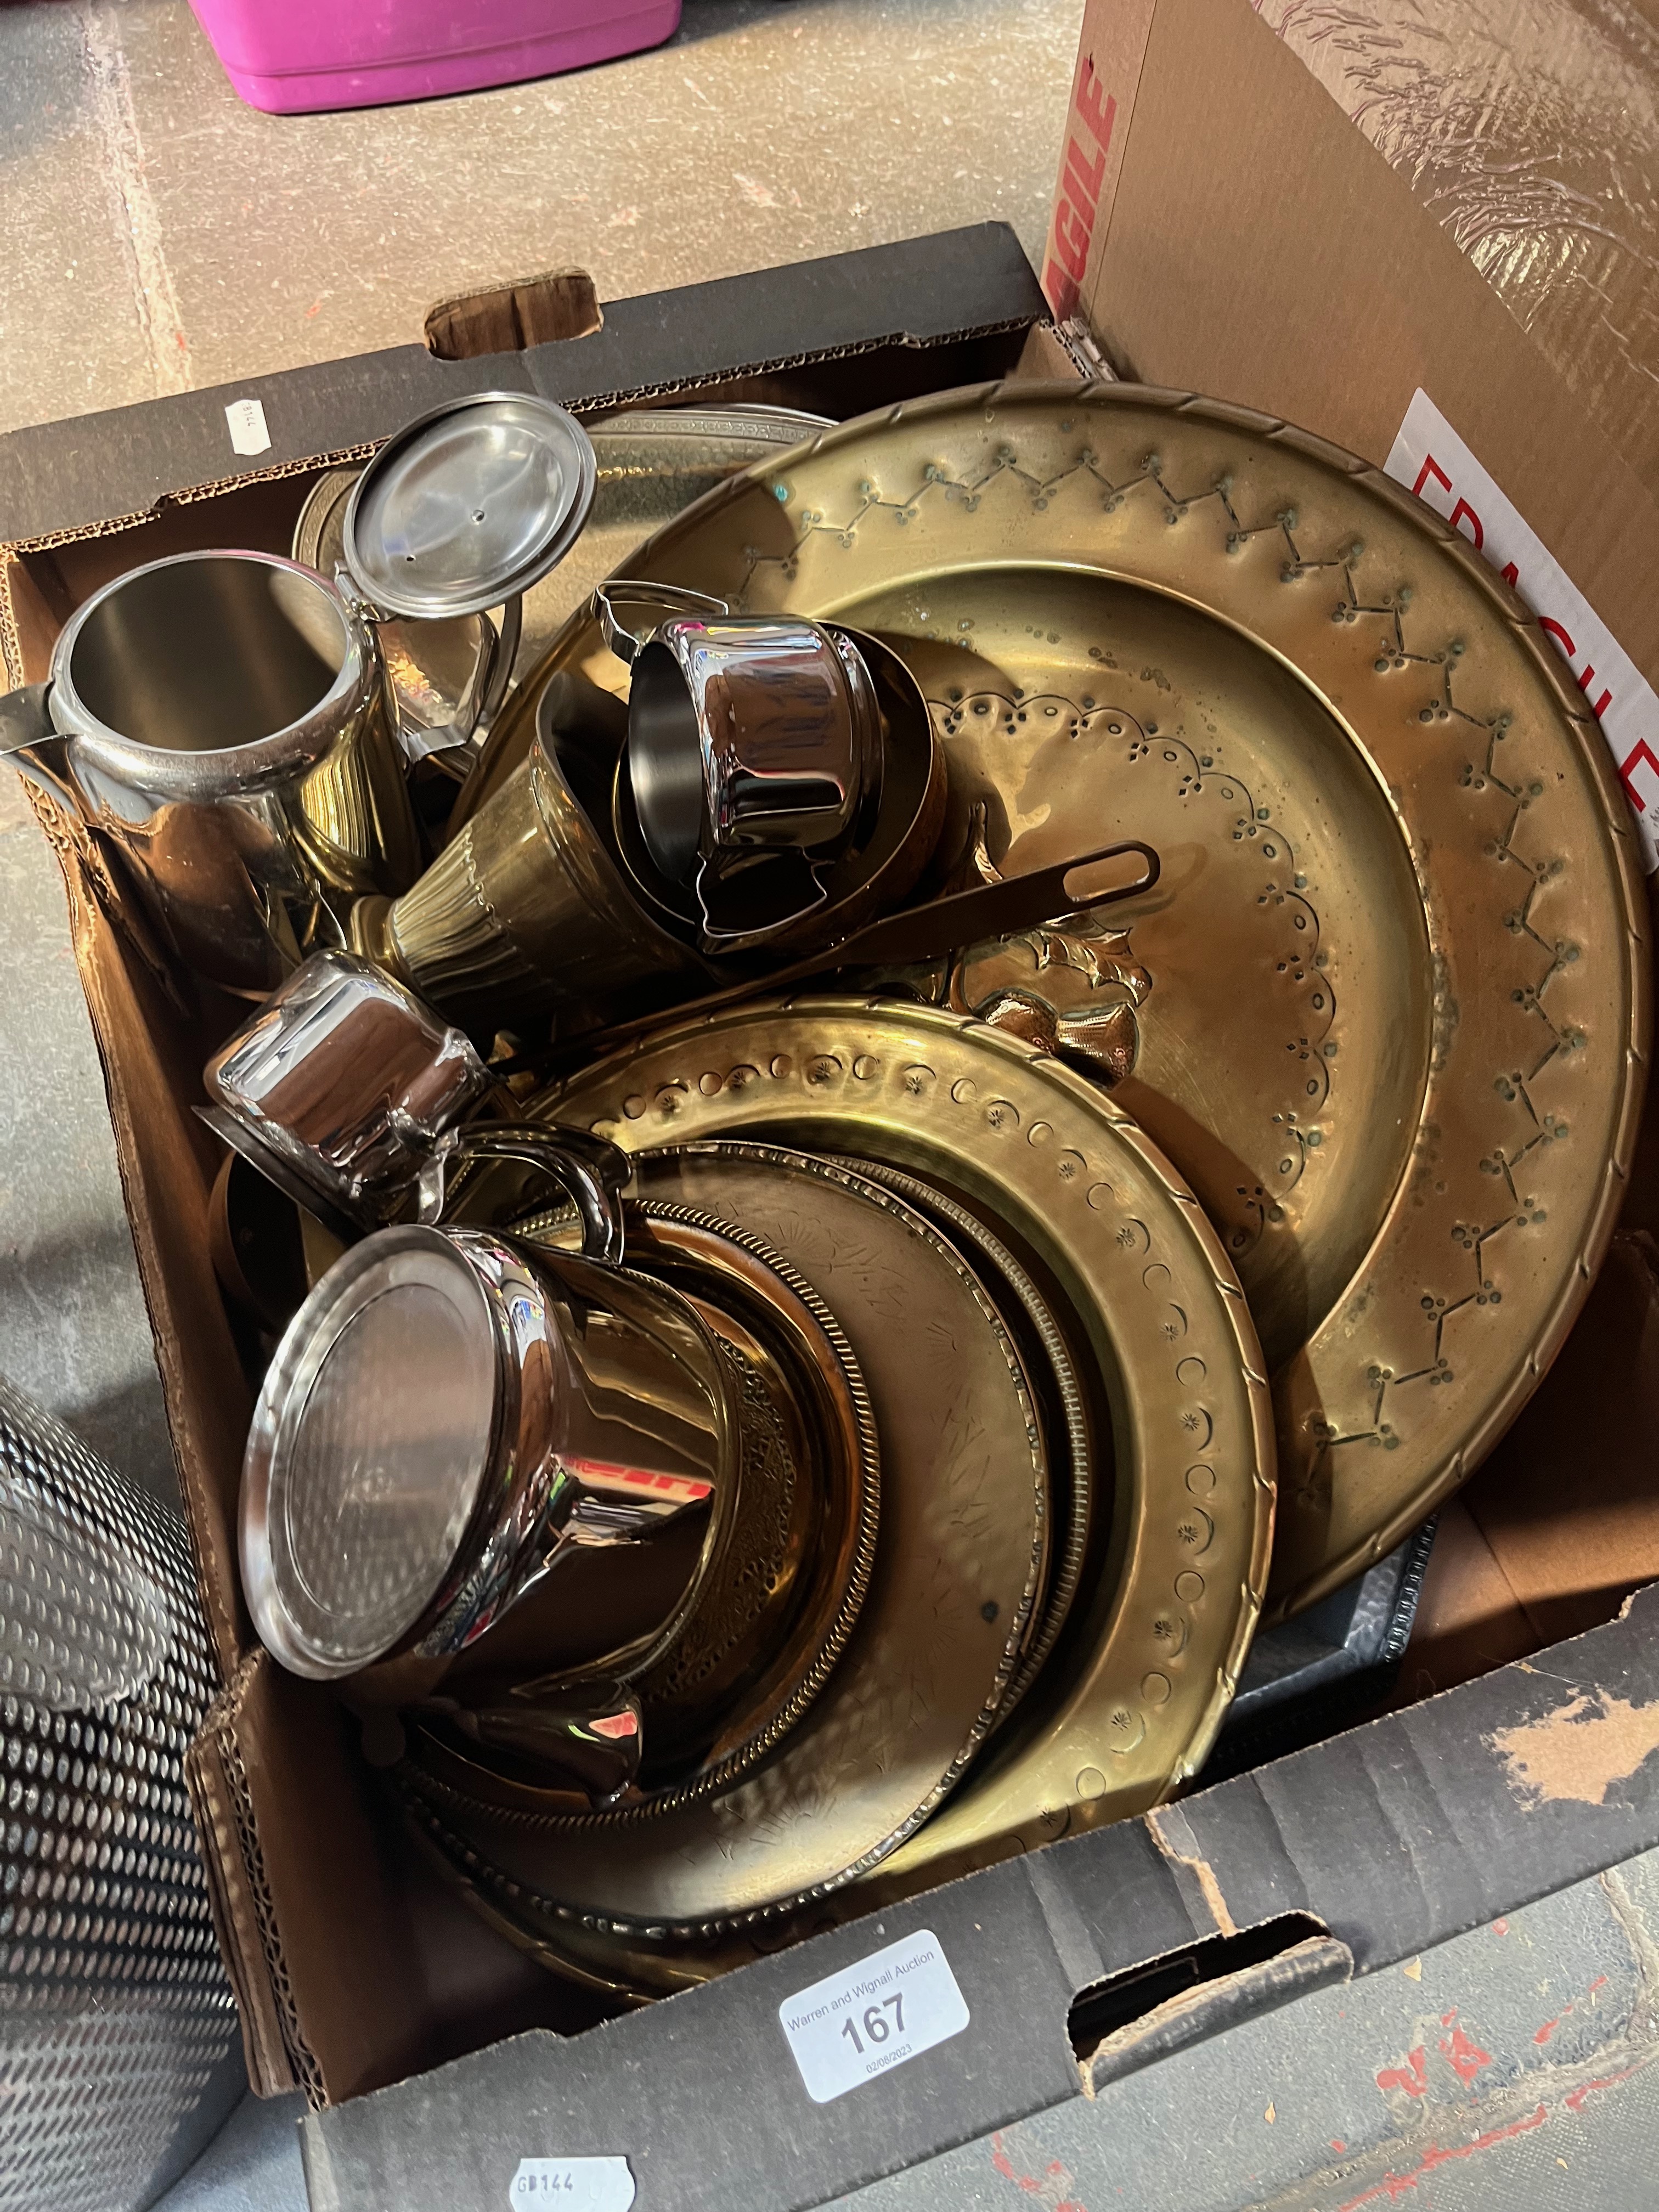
881,872
925,934
445,1421
747,736
469,505
463,509
592,1734
448,676
1391,996
221,720
776,1612
958,1562
651,464
525,915
348,1080
115,2014
257,1244
1077,1190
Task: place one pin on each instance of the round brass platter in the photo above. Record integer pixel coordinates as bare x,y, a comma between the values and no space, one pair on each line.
816,1555
1044,1153
960,1560
1390,995
1073,1472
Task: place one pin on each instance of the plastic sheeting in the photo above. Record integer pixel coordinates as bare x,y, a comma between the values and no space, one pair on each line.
1530,130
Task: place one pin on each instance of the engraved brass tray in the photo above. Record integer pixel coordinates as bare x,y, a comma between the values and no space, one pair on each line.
1137,1686
1387,1009
1062,1404
960,1558
1069,1181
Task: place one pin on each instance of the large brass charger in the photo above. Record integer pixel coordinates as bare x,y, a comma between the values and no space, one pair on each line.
1390,996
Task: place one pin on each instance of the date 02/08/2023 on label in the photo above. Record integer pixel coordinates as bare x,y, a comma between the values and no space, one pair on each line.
871,2017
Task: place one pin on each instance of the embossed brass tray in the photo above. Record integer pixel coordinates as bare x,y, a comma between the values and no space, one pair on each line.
1137,1684
960,1558
1062,1405
1387,1008
1078,1190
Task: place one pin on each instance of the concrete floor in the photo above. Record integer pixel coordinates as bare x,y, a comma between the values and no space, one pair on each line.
160,236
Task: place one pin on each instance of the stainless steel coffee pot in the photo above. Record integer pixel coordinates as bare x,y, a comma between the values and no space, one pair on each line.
225,722
221,721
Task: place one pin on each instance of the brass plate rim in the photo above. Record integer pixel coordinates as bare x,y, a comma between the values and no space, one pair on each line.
983,1243
1320,1564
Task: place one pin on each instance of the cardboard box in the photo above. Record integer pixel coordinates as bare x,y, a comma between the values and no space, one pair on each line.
1457,285
1076,1965
352,1965
356,1971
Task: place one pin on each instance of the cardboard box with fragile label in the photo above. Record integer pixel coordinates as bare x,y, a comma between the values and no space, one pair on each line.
1224,226
1228,220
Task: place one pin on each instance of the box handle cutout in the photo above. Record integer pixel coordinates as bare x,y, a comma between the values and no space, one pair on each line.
1132,2019
535,311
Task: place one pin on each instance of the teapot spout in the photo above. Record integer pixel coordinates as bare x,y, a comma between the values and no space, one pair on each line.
30,742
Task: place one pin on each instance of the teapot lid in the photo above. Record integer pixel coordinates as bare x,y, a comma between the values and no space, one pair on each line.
468,505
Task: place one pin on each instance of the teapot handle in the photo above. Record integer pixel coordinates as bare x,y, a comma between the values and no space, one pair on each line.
676,599
591,1170
501,673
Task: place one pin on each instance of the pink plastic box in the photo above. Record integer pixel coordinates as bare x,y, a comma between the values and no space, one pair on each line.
290,57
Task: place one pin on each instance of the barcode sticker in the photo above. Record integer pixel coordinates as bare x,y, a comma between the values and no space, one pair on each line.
1431,459
249,432
572,2185
872,2017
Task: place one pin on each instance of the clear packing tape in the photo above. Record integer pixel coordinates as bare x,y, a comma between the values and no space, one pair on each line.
1529,129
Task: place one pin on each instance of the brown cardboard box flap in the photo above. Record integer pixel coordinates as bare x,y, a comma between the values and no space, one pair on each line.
243,1917
153,1036
352,1965
1248,240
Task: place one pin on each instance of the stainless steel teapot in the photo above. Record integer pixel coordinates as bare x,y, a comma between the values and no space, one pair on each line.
225,723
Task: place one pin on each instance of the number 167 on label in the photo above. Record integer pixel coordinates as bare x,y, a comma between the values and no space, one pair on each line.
869,2018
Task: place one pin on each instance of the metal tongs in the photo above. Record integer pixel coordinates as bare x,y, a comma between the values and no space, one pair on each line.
915,934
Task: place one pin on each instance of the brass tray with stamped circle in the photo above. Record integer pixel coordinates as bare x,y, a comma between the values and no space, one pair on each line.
1073,1185
1387,1008
960,1558
1130,1705
817,1560
1074,1451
